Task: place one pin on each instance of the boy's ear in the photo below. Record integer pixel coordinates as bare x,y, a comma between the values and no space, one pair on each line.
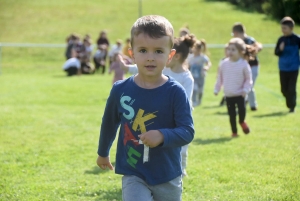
130,53
172,53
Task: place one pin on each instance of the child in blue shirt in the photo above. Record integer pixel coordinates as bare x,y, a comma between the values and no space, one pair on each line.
287,49
155,117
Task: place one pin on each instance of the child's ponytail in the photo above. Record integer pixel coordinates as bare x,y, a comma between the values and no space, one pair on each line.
189,40
203,44
183,44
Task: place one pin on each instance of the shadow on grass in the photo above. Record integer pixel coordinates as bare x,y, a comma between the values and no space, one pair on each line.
97,170
211,107
112,194
221,113
212,141
274,114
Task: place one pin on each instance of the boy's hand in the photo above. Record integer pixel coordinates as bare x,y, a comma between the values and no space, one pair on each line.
152,138
104,162
281,46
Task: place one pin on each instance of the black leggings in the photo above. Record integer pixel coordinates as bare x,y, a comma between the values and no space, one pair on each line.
288,82
231,106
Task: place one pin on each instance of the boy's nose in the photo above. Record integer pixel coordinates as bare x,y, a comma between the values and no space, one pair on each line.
150,57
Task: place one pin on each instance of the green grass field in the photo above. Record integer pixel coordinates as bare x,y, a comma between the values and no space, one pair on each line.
49,124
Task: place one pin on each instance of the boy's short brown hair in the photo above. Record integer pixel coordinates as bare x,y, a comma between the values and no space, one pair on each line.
154,26
238,27
288,21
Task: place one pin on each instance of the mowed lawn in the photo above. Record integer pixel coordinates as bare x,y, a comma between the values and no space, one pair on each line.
49,124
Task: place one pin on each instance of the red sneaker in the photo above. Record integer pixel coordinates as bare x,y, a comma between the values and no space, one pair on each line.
245,127
234,135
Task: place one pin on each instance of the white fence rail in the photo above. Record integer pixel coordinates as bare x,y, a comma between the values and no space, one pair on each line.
32,45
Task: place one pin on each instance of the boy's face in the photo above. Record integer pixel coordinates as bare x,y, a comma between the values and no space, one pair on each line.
237,34
151,55
286,30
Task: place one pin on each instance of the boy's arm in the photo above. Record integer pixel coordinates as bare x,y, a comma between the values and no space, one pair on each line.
183,133
110,124
258,46
248,79
131,68
278,51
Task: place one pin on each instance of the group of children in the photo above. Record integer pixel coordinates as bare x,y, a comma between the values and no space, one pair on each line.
79,55
153,107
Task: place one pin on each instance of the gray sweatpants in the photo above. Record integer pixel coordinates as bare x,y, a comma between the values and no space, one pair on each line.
251,94
136,189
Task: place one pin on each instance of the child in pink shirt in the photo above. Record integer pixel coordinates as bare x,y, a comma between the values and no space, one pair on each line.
116,66
235,75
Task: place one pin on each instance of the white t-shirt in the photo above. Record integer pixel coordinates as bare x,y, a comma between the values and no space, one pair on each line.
72,62
185,78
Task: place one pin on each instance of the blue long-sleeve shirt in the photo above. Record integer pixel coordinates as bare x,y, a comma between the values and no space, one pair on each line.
137,110
289,59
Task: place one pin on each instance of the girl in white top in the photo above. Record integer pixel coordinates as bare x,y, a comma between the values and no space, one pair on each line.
180,73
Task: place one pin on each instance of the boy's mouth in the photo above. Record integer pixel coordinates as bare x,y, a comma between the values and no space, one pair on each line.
150,67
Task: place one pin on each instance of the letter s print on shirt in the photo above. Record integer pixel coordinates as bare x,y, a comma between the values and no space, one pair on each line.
129,109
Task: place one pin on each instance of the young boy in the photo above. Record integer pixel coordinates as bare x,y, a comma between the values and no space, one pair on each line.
287,49
155,117
239,31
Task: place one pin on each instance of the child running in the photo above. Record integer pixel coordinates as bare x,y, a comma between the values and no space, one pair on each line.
199,63
239,31
155,117
116,67
287,49
177,70
235,74
181,74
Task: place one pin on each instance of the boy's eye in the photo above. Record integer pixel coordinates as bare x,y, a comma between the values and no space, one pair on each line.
142,51
159,52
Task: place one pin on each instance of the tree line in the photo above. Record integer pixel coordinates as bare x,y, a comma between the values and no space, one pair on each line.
275,8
